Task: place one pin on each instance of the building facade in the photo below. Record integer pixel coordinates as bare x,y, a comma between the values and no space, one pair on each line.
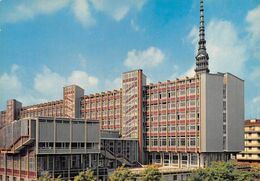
251,152
34,147
183,122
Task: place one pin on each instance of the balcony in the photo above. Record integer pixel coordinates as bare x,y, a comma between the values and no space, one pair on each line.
248,157
252,130
252,144
252,137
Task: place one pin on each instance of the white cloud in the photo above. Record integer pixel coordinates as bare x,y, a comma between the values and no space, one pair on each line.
13,88
49,83
118,9
114,84
227,52
148,58
10,83
82,9
29,99
175,73
29,9
253,20
82,12
83,80
189,73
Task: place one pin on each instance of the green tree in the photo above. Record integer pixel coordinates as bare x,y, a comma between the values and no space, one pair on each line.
151,173
122,174
48,177
88,175
224,171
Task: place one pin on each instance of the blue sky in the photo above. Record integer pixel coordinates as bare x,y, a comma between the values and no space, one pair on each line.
47,44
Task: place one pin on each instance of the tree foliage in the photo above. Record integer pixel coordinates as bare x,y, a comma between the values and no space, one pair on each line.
151,173
48,177
122,174
224,171
87,175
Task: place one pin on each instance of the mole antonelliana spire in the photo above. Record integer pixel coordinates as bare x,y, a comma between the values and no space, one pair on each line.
202,55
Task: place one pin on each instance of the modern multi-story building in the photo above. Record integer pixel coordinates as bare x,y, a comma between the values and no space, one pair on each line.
186,122
251,152
33,147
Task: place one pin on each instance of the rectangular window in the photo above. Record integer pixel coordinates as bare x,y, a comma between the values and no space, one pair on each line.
182,141
194,159
163,141
192,142
175,158
182,127
172,141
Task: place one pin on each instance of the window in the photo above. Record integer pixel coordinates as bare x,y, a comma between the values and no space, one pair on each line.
194,159
175,158
172,141
182,104
163,141
182,127
163,128
224,129
182,141
192,142
192,127
184,157
163,106
224,105
155,143
172,128
192,90
182,92
192,103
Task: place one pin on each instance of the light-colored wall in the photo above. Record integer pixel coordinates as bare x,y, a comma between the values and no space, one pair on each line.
71,96
79,94
235,113
211,112
72,130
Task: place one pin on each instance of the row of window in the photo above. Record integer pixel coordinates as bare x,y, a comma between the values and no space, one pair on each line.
66,145
172,116
172,141
45,113
173,105
174,158
13,162
103,103
111,122
172,93
170,84
171,128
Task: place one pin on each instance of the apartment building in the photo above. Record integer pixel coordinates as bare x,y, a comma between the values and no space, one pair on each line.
251,151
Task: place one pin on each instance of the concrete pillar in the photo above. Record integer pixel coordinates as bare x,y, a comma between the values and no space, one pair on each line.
89,160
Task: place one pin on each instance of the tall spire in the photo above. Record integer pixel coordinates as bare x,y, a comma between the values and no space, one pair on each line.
202,55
